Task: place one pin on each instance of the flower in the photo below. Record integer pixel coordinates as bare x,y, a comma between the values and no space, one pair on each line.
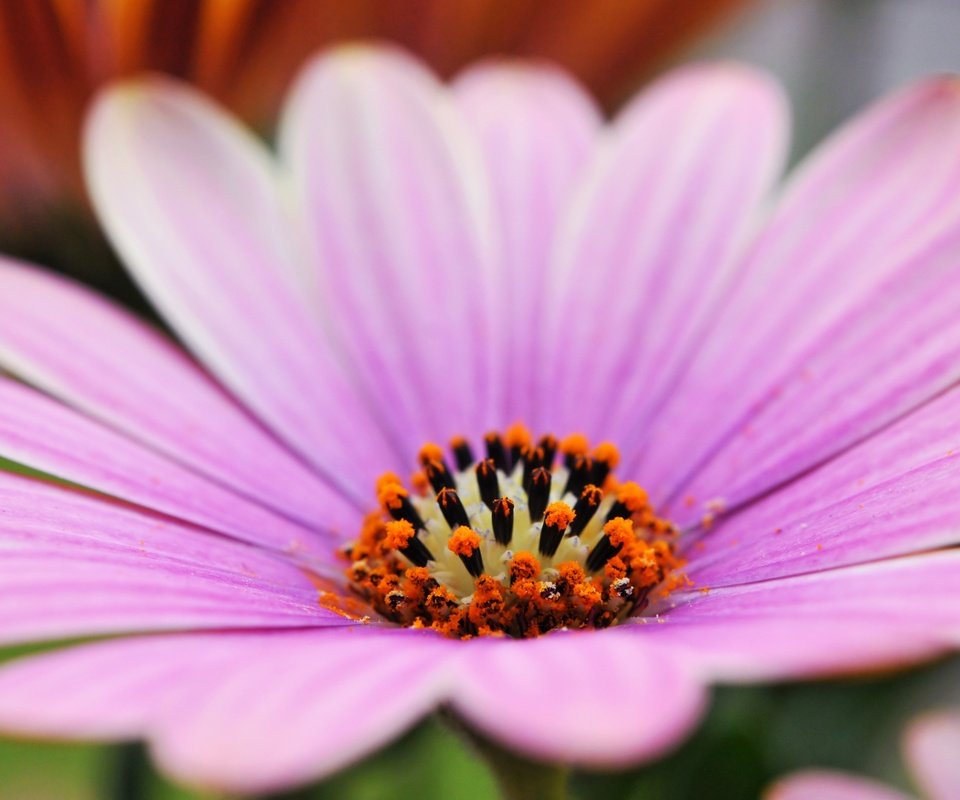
931,744
54,56
768,386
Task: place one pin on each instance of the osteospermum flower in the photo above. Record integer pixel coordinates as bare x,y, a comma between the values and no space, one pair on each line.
489,406
931,744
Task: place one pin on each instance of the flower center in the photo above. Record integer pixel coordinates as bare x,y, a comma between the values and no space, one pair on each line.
538,535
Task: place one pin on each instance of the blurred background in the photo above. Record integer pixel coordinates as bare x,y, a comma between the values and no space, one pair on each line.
834,56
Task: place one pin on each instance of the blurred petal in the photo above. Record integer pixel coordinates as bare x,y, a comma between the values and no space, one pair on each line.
648,242
932,746
77,565
397,207
874,616
537,128
41,433
870,204
211,705
600,699
828,785
192,203
891,495
100,359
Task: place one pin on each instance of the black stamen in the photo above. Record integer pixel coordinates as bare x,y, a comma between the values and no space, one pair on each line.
586,507
602,552
417,552
462,453
601,469
619,509
538,495
439,475
515,454
550,536
503,520
548,443
495,451
452,509
473,563
580,474
487,482
408,512
532,459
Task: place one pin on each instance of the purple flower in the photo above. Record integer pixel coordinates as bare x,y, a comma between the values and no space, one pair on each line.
931,744
420,263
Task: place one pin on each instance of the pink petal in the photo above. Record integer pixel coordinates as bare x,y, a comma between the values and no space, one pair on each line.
932,746
598,699
192,202
537,128
216,710
99,358
829,785
398,213
893,494
43,434
74,564
880,362
648,242
876,197
874,616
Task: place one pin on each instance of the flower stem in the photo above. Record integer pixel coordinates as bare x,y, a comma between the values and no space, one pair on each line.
129,781
518,778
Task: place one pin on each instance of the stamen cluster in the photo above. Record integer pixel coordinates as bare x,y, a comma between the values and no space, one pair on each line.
512,544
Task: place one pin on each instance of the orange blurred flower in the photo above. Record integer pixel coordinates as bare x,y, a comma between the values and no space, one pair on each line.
55,53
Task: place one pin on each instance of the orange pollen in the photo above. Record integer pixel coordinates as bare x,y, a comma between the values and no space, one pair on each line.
390,495
524,566
593,495
572,572
517,435
387,479
419,482
576,444
464,541
558,515
619,531
430,452
531,535
398,534
632,496
607,453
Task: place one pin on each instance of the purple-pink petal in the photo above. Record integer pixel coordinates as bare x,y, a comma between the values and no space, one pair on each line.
932,746
398,216
830,785
75,564
537,129
648,240
601,699
891,495
39,432
882,614
193,204
213,706
100,359
870,202
896,349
